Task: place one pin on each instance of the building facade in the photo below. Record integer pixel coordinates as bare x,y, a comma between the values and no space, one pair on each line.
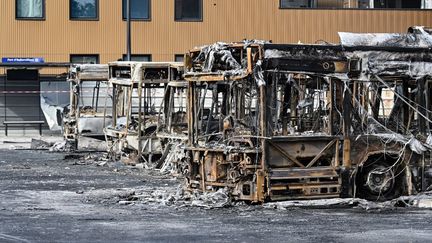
94,30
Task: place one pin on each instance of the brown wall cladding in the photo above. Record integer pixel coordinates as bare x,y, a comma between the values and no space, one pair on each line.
223,20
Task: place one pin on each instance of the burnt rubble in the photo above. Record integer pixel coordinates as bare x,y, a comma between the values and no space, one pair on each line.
270,122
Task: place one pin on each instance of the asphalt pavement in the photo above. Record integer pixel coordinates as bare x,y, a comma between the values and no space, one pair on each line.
58,197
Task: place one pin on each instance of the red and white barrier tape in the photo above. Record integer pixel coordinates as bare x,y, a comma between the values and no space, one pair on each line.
42,92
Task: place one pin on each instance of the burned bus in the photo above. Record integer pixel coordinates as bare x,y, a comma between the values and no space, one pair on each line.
87,114
148,110
272,122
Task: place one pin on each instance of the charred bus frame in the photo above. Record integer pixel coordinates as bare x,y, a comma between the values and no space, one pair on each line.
310,122
83,118
139,93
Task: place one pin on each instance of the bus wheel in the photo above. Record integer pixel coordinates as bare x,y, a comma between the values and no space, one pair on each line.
379,181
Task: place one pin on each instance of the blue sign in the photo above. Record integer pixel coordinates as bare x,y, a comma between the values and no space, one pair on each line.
23,60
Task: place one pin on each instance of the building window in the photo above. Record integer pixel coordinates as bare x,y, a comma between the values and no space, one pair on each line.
295,4
398,4
378,4
427,4
84,9
188,10
84,58
140,9
30,9
139,57
179,57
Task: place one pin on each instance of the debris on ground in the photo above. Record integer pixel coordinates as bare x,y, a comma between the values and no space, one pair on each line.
167,196
40,144
111,196
417,201
62,146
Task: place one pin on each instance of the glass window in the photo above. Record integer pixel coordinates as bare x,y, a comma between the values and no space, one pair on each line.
32,9
188,10
416,4
139,57
427,4
392,4
84,9
179,57
295,4
365,4
140,9
85,58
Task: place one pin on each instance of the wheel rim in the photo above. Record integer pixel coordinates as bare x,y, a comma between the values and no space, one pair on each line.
380,180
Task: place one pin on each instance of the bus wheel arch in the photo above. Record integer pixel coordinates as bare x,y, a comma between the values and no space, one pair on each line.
380,176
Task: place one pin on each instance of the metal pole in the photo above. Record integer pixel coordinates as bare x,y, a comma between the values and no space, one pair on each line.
128,31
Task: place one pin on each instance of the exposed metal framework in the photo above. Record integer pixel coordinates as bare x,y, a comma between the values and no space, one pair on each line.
86,115
277,122
144,110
